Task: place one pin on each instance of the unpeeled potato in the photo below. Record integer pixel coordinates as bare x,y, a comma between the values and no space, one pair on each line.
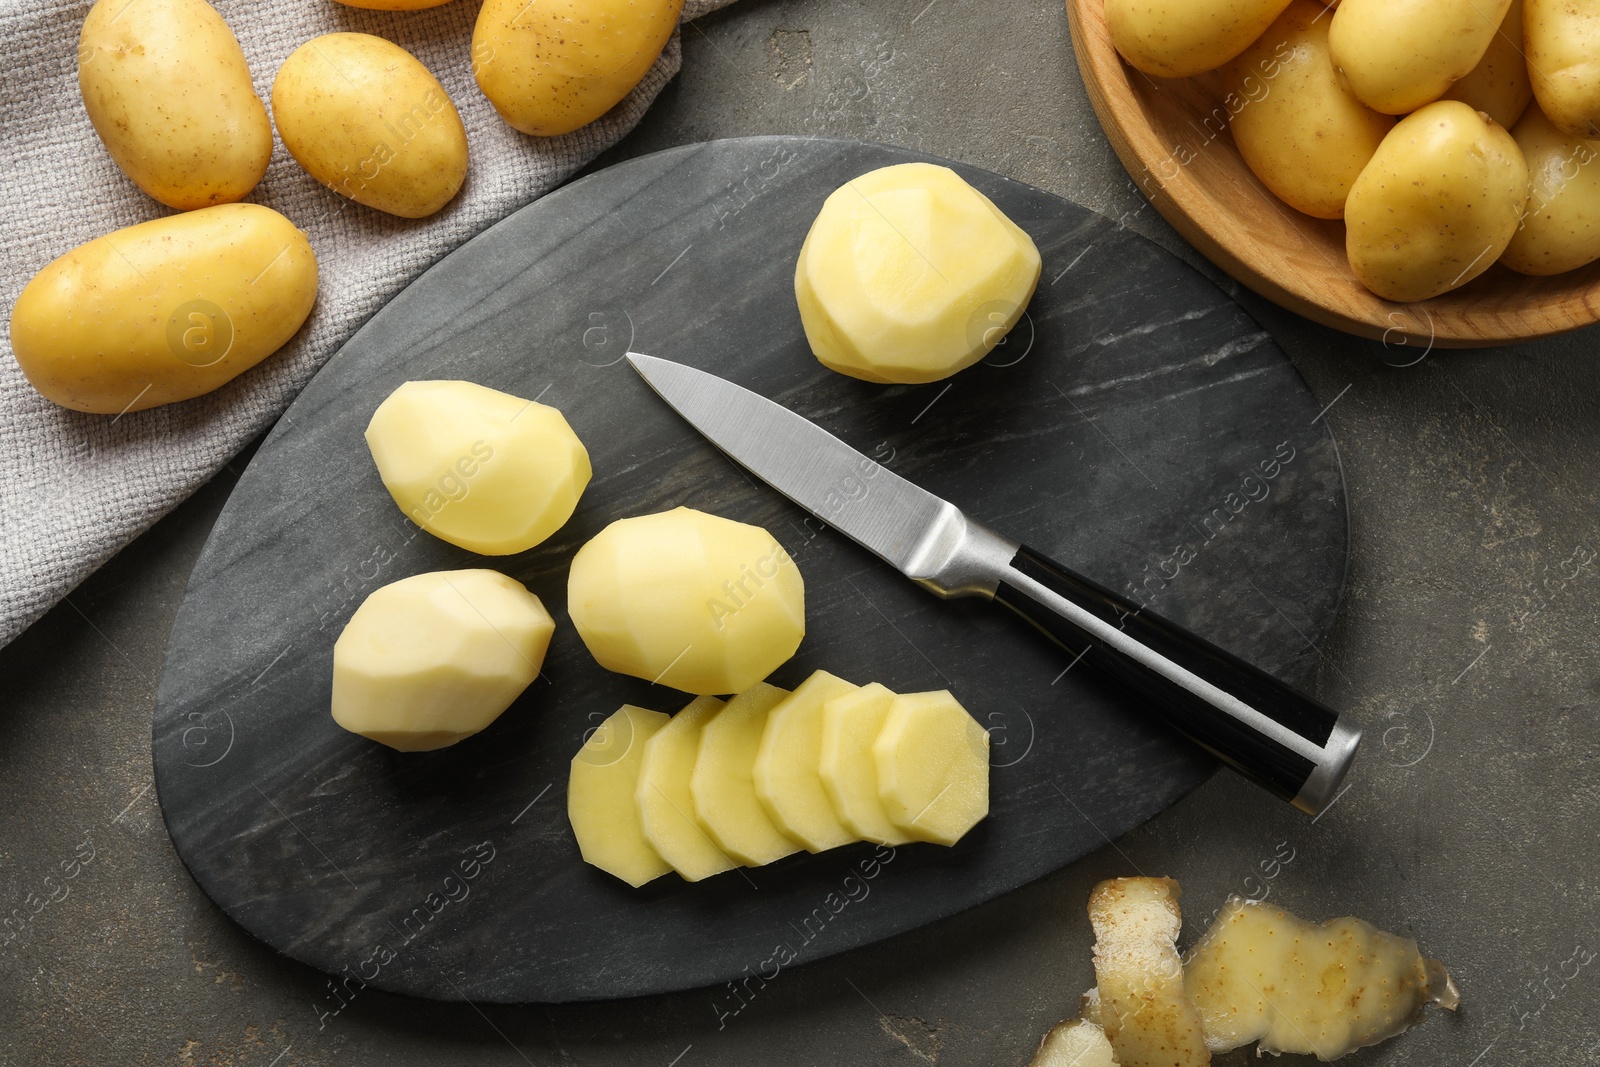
1401,54
365,118
1561,229
1180,38
1563,43
1298,127
1437,205
169,92
551,66
1499,85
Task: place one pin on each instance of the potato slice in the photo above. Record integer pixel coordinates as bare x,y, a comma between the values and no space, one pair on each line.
434,658
485,470
787,775
850,725
723,786
694,601
666,809
933,767
1261,974
1143,1005
1075,1043
601,796
909,274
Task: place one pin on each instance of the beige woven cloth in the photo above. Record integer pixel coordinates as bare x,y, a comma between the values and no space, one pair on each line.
75,488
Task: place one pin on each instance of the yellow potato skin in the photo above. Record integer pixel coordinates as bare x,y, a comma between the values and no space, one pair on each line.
1300,129
1180,38
555,65
1401,54
1561,229
169,92
1499,85
1437,205
164,310
1562,38
365,118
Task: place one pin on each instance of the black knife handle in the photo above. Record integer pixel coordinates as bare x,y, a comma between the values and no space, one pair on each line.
1268,731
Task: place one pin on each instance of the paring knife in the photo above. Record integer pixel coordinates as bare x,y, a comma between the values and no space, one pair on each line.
1271,733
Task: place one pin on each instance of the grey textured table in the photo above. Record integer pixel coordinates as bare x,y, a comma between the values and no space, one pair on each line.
1469,823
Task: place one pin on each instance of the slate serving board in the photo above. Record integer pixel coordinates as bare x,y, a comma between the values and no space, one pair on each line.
1137,425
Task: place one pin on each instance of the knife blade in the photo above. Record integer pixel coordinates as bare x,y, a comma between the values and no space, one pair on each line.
1279,737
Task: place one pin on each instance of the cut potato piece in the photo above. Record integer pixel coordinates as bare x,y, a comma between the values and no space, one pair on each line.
434,658
933,767
485,470
1261,974
850,725
689,600
1145,1011
666,809
601,796
787,776
1075,1043
909,274
723,785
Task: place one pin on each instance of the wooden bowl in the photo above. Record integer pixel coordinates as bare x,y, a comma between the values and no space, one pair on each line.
1172,137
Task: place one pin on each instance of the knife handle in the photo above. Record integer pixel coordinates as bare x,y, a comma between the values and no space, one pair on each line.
1266,730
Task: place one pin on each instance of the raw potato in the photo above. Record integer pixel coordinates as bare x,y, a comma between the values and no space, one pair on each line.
1261,974
1437,205
1499,85
1563,44
1561,228
1075,1043
723,785
1179,38
689,600
1297,125
601,796
1401,54
666,807
168,90
933,767
365,118
909,275
787,775
164,310
850,725
1145,1011
485,470
434,658
553,66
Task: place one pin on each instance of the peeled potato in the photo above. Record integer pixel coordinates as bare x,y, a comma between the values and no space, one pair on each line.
1499,85
689,600
850,725
365,118
602,796
1144,1008
787,775
1563,44
1075,1043
551,66
723,784
909,274
1437,205
1298,127
485,470
932,759
1401,54
1262,974
1180,38
1560,230
434,658
666,807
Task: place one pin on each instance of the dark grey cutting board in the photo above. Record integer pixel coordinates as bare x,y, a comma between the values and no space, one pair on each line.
1137,425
